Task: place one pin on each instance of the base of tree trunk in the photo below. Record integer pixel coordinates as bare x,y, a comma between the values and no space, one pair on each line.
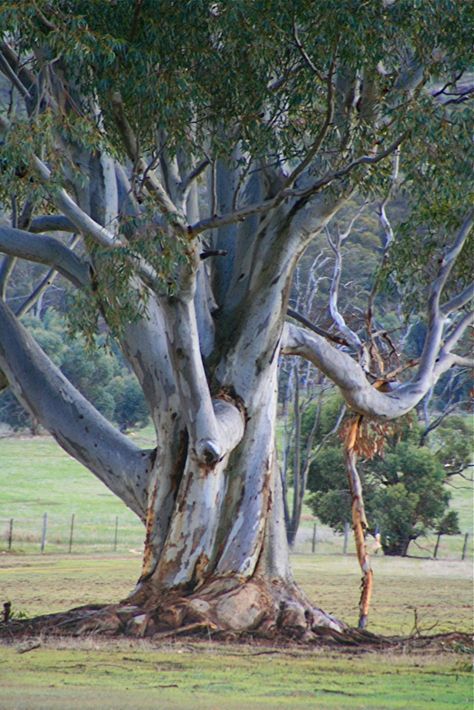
228,612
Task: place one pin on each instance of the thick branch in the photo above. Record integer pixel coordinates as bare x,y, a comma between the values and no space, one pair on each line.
70,418
73,212
44,250
349,376
436,317
51,223
215,427
458,301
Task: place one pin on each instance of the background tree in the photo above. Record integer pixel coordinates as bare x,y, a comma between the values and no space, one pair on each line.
196,153
404,489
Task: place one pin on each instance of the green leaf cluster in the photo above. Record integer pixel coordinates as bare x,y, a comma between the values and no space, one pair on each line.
404,490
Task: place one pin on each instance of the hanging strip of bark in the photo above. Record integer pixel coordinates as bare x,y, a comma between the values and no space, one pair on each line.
359,520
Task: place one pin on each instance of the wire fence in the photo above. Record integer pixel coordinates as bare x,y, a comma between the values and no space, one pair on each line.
50,534
60,534
321,540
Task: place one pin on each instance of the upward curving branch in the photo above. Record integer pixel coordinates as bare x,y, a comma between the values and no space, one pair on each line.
436,316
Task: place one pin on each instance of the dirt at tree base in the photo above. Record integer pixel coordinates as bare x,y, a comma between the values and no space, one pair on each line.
129,621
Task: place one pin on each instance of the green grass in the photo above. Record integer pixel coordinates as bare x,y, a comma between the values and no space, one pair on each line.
213,676
36,476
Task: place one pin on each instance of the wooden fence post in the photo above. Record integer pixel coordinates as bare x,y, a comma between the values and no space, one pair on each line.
10,534
116,533
43,532
464,547
313,542
71,533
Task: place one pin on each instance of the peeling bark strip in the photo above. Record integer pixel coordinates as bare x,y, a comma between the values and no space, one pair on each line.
359,520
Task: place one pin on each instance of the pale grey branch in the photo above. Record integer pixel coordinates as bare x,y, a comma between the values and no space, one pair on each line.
51,223
44,250
70,418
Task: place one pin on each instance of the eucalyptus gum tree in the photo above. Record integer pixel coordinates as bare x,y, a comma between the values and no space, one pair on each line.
197,149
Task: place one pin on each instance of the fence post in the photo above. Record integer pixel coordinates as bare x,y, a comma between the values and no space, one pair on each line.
464,547
313,542
346,538
71,533
43,532
10,534
116,533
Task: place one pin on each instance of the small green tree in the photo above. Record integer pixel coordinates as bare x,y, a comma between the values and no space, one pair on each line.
129,405
404,491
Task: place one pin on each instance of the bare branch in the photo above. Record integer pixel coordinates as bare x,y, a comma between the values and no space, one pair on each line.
217,221
37,292
44,250
193,175
314,150
458,331
316,329
307,59
335,244
150,179
7,70
51,223
349,376
458,301
6,268
42,286
264,206
436,318
342,172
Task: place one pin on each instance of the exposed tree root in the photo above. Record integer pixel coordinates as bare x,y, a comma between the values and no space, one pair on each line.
198,619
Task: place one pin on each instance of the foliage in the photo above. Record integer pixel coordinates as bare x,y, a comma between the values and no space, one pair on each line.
452,440
404,490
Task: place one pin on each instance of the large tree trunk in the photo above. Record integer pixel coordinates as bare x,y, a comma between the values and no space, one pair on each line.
220,555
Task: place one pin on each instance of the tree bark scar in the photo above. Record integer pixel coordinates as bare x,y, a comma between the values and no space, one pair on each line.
184,494
177,472
199,573
149,525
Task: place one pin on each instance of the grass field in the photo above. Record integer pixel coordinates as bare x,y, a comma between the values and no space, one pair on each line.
123,676
127,674
36,477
